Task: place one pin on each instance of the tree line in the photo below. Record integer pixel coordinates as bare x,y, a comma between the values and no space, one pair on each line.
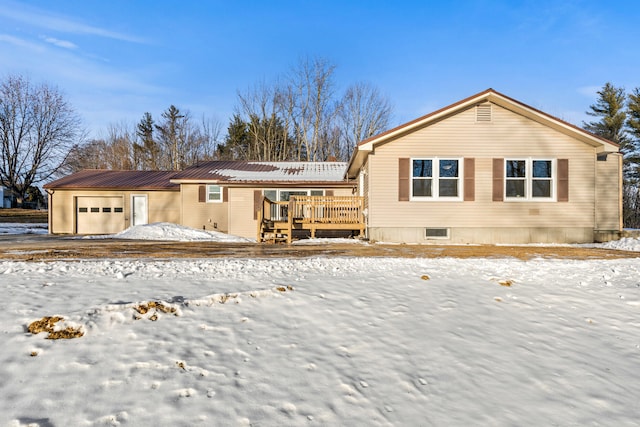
173,143
299,117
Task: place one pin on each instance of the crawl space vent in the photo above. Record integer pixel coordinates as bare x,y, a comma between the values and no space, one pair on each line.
437,233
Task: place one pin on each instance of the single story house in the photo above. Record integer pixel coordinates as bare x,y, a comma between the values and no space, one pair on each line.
487,169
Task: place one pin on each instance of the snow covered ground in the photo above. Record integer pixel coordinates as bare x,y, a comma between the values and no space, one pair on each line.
16,228
323,341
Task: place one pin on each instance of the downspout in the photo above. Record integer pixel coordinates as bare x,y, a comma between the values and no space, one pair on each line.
620,196
50,209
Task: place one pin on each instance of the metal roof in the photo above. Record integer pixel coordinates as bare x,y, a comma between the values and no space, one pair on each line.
261,172
135,180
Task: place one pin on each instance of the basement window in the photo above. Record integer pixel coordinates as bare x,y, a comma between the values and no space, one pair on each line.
437,233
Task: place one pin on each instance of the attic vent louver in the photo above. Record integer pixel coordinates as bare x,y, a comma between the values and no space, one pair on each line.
483,113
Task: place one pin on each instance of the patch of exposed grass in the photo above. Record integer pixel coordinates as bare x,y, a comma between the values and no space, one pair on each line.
47,324
155,306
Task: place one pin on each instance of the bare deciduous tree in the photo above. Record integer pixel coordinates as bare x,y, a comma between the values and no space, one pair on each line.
38,127
89,155
115,151
300,118
211,130
311,87
364,112
267,137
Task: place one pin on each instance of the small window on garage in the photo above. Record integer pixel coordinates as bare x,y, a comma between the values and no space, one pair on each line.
106,210
437,233
117,210
83,210
95,209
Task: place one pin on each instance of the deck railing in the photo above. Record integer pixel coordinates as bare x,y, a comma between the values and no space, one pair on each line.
327,209
312,213
274,211
311,209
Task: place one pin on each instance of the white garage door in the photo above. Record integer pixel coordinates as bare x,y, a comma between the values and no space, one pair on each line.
100,215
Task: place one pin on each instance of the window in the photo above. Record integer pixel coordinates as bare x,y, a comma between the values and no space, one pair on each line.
529,179
94,210
214,193
117,210
435,178
83,210
285,195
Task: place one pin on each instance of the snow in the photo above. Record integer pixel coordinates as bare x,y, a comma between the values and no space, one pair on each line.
287,171
172,232
323,341
624,244
15,228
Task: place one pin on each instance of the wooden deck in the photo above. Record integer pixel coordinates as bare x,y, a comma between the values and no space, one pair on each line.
279,221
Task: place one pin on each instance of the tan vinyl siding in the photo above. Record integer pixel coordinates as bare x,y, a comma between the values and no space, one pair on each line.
508,135
202,215
163,206
241,213
608,193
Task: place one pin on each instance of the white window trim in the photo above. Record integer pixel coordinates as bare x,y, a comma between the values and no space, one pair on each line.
209,192
529,180
436,177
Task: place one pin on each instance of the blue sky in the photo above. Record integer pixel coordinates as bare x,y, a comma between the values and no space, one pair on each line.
115,60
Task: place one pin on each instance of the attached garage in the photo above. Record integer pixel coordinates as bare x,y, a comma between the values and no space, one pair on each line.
100,215
107,202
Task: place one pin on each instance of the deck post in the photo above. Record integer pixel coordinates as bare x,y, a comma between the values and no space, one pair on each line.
260,222
290,213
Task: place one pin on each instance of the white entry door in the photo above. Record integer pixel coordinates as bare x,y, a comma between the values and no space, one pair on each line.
139,210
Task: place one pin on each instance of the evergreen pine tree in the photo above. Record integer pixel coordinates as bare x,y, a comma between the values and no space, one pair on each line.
149,150
633,124
610,108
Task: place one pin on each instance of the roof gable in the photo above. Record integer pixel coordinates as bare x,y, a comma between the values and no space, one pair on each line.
366,146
